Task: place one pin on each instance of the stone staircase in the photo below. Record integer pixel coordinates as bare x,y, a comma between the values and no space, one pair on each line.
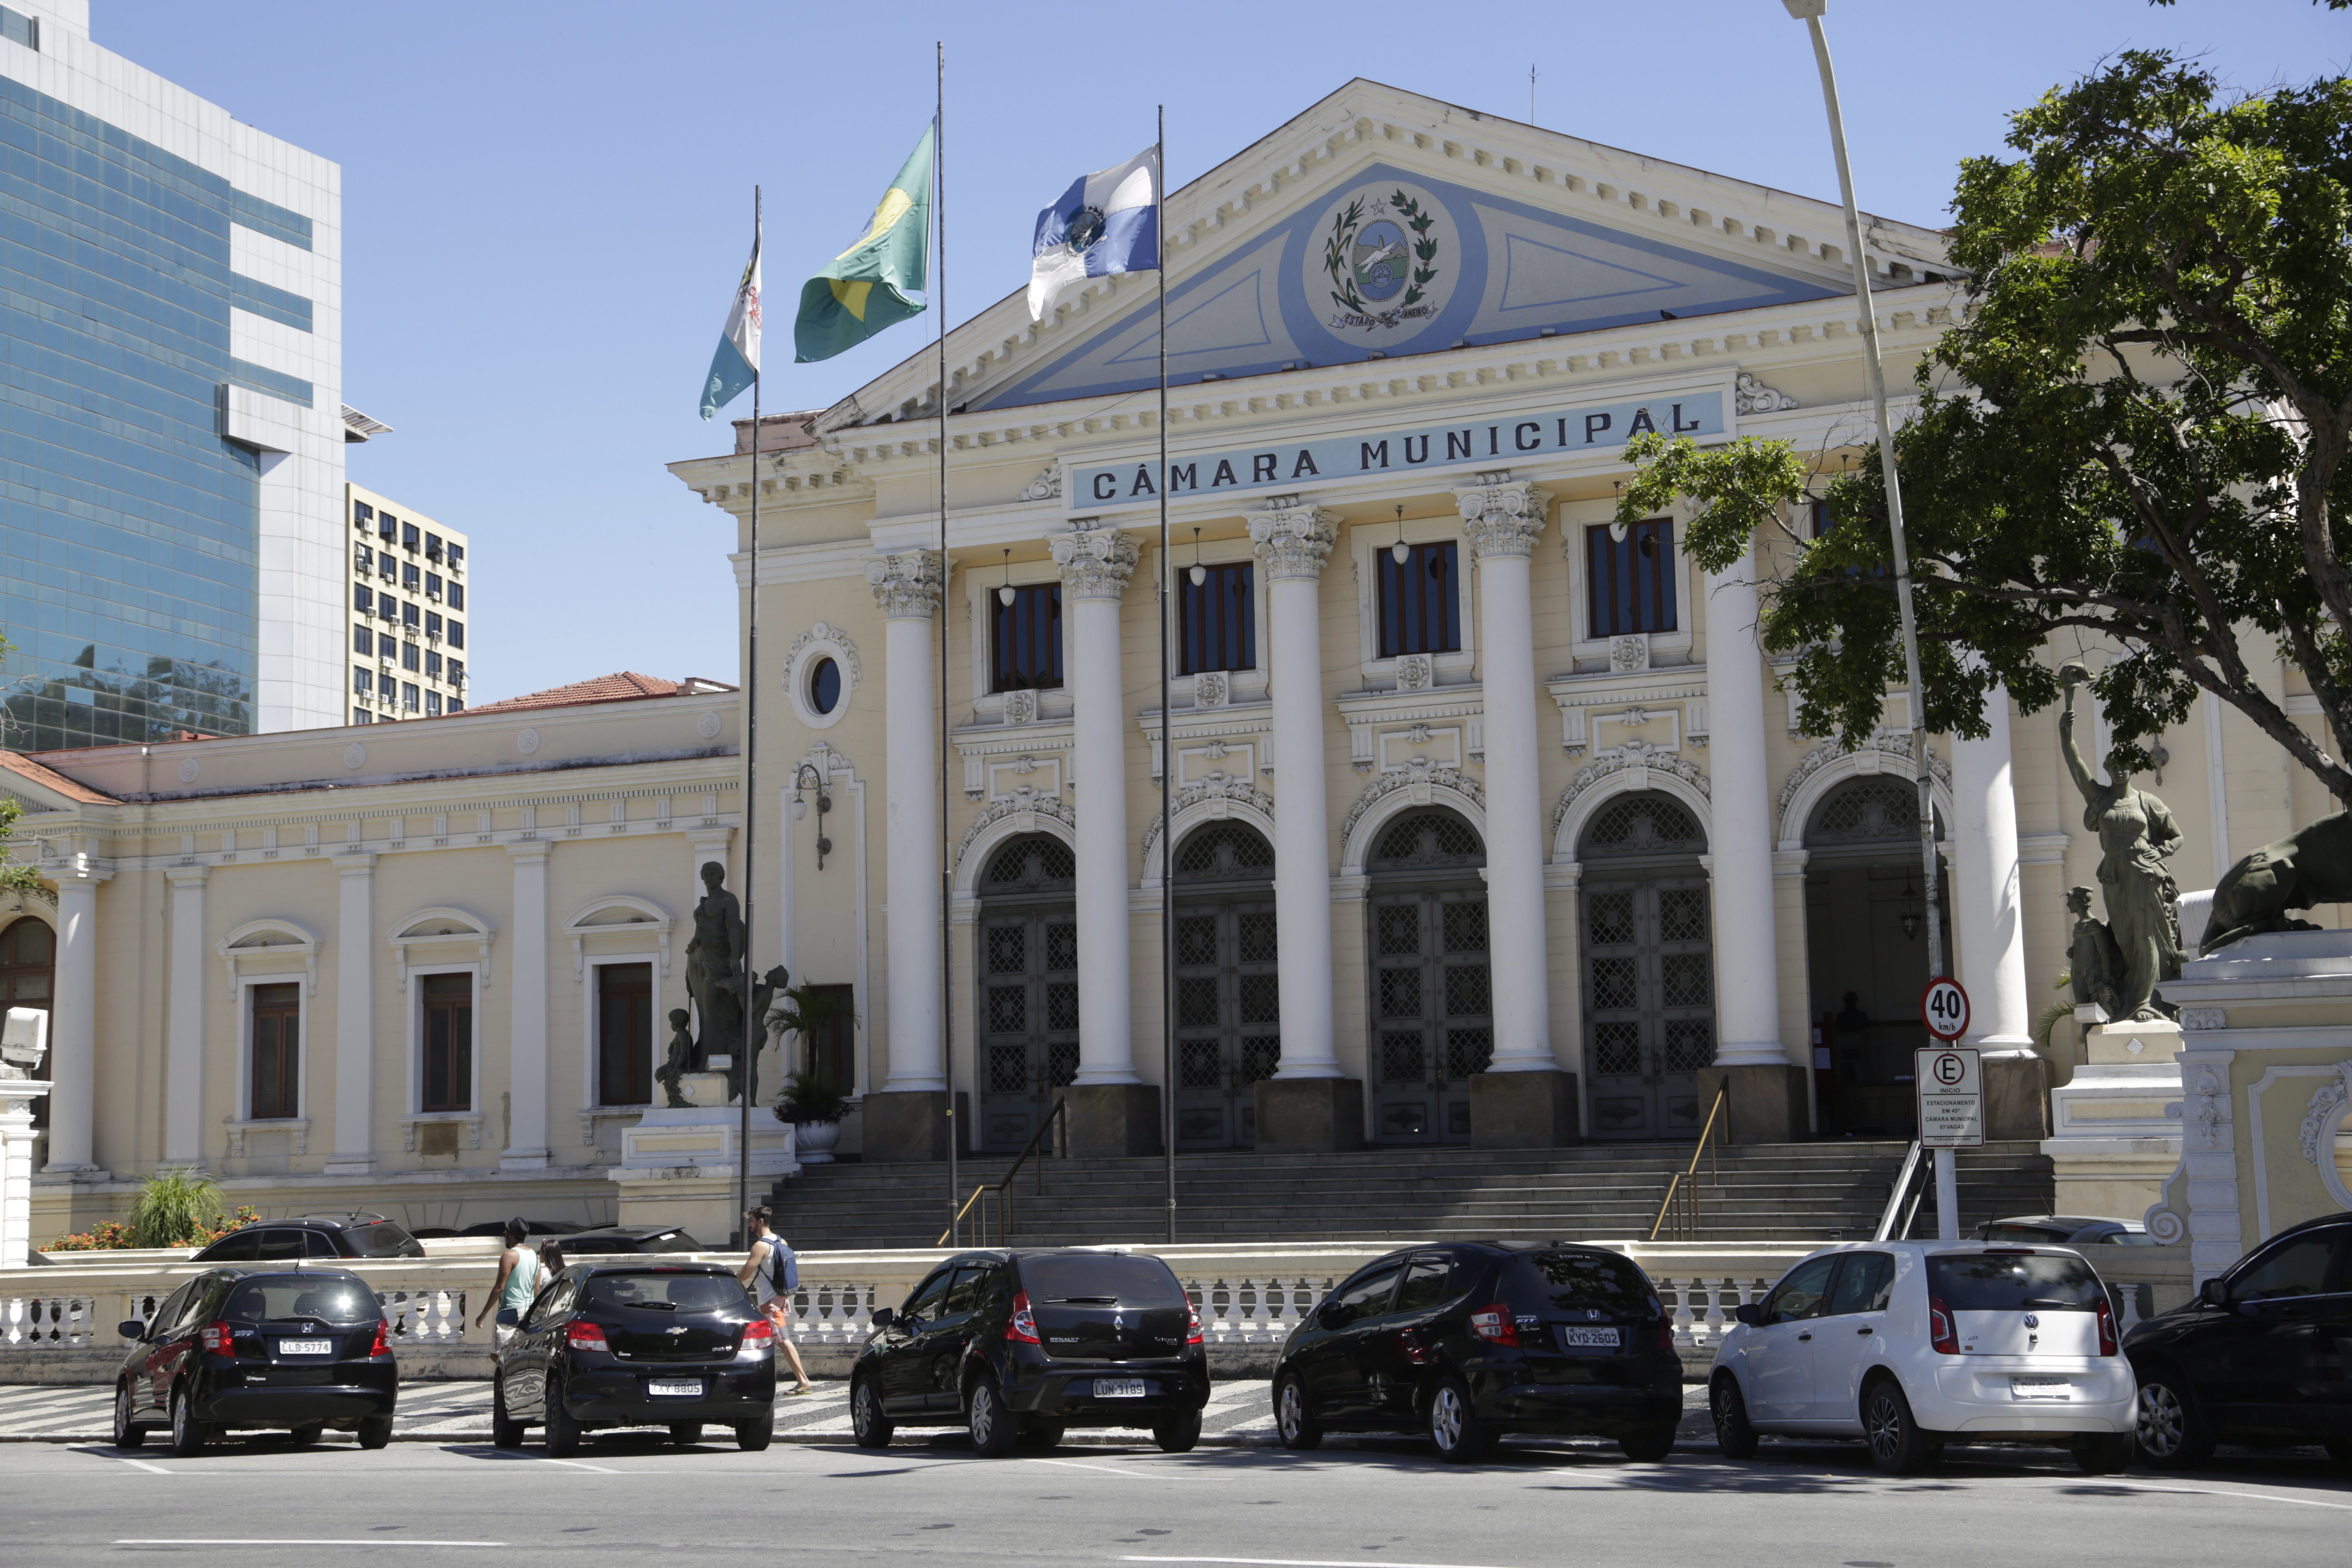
1828,1190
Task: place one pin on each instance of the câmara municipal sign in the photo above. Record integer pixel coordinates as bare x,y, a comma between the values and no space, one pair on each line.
1292,465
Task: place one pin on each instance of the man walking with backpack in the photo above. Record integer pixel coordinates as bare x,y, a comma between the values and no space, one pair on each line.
773,1274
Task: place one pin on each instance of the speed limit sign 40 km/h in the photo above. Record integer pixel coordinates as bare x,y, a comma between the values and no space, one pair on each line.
1944,1009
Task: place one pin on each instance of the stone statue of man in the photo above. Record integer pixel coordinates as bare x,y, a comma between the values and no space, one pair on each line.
714,968
2136,834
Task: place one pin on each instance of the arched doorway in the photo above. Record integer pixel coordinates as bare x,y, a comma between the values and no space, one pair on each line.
1228,992
1432,992
1867,949
1028,968
28,956
1649,967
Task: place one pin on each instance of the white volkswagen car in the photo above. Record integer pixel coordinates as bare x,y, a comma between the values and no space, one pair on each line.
1910,1344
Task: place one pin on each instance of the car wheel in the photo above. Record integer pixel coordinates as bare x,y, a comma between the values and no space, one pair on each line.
303,1437
128,1434
1732,1434
560,1432
866,1422
376,1431
2170,1430
506,1432
1455,1427
188,1434
1649,1447
685,1432
1898,1446
1043,1434
753,1436
1294,1417
1178,1434
2104,1453
994,1431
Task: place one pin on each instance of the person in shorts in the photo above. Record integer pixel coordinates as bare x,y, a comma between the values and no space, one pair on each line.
770,1271
519,1277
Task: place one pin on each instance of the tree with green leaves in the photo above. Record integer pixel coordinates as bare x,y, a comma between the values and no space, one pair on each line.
2133,436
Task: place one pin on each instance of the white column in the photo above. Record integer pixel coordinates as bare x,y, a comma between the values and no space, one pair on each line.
527,1147
1985,893
1502,517
1095,563
1746,956
183,1029
906,586
73,1025
1293,542
354,1152
16,1097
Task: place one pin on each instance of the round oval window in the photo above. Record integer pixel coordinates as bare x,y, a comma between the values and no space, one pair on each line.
824,686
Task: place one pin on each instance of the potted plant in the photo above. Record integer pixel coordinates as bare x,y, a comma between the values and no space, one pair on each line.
813,1108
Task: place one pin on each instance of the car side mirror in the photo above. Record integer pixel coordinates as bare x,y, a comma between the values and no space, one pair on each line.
2213,1293
1331,1315
884,1316
132,1329
1750,1313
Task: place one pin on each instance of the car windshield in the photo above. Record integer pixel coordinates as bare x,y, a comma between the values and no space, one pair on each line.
384,1240
275,1298
1110,1277
658,1292
2012,1282
1563,1281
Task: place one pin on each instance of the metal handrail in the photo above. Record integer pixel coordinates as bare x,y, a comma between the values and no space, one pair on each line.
1057,1117
1905,1181
1683,1186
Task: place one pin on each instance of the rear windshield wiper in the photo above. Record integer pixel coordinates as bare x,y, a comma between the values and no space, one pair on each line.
2051,1301
1083,1300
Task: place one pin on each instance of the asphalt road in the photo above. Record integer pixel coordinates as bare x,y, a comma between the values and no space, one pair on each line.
1380,1504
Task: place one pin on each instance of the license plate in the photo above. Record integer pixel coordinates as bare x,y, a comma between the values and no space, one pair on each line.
1119,1388
306,1347
1589,1339
691,1388
2041,1388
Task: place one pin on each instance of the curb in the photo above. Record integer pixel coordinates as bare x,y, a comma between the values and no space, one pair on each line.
1072,1440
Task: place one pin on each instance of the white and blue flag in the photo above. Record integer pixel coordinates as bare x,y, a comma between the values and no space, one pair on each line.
1105,222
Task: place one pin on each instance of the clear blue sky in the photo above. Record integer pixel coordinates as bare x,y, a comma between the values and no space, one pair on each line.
546,205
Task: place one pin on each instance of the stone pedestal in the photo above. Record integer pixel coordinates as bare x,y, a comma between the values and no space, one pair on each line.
2111,1142
1523,1111
2017,1096
680,1166
16,1097
1113,1119
903,1126
1768,1104
1309,1115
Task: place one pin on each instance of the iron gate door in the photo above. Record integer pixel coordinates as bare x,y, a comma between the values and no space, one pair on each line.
1649,1005
1433,1024
1228,1020
1028,985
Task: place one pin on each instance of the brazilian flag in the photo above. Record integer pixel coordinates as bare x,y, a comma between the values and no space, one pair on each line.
866,287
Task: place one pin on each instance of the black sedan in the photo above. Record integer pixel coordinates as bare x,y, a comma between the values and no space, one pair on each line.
632,1342
1469,1341
245,1349
2263,1354
1020,1346
605,1239
315,1237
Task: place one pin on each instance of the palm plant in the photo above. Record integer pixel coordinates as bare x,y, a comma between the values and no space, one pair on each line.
803,1010
173,1207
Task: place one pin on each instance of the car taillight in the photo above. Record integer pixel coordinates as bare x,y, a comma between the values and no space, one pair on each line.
215,1339
759,1331
1661,1327
583,1336
1022,1327
1940,1332
1192,1324
1495,1325
2106,1328
382,1345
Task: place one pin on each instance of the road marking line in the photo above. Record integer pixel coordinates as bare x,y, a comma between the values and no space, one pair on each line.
142,1464
1114,1470
2181,1490
256,1541
1299,1562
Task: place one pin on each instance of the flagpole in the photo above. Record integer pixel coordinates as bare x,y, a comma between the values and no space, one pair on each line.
750,798
1167,712
947,874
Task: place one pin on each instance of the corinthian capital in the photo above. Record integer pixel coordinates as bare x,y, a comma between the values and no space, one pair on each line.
1095,561
1501,515
1293,540
905,584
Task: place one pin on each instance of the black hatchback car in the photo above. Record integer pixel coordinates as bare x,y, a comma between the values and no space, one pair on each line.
314,1236
1019,1346
1468,1340
2263,1354
605,1239
259,1349
632,1342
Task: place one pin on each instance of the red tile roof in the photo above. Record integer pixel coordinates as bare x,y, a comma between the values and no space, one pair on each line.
624,686
23,767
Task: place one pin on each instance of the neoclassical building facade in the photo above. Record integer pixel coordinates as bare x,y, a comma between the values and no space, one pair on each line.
1489,825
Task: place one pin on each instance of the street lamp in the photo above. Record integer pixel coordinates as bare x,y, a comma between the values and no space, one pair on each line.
801,785
1810,12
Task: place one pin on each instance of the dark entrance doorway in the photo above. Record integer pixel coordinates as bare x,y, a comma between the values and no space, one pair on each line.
1649,967
1866,951
1228,992
1432,990
1028,967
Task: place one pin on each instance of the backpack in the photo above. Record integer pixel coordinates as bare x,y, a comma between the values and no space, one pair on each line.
783,1266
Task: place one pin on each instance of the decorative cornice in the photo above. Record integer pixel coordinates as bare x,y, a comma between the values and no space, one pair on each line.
1021,802
907,584
1292,539
1501,515
1753,396
1216,786
1892,743
1622,759
1095,561
1418,775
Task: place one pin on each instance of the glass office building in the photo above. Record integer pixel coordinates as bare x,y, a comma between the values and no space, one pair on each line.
141,452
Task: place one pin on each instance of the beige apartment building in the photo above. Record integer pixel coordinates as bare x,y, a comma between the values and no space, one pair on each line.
408,612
